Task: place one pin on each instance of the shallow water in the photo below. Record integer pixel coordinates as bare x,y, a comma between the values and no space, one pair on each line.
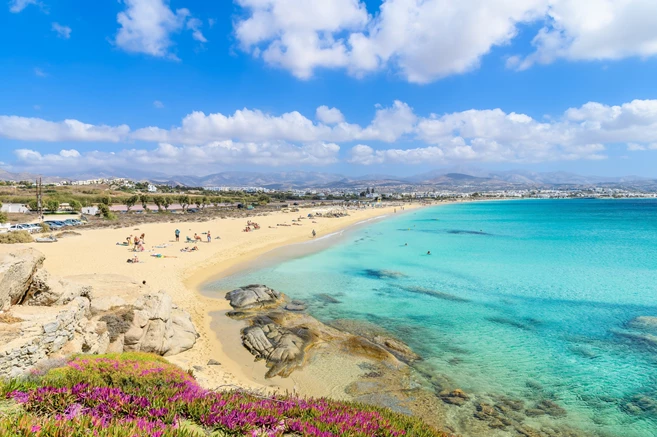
530,299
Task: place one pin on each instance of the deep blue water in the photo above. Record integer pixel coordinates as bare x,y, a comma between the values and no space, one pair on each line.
531,299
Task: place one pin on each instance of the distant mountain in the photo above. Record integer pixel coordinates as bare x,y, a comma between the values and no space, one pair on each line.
462,177
9,176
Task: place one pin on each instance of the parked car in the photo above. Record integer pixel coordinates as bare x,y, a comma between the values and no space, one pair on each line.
35,227
23,227
193,210
55,224
72,222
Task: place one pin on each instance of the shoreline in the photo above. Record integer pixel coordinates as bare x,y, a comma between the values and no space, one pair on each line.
95,251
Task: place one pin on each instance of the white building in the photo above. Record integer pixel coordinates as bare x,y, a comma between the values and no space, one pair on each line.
152,188
15,208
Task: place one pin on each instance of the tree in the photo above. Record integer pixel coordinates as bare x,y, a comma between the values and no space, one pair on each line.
106,212
184,201
205,201
75,205
52,205
158,202
131,201
144,201
106,200
33,204
3,216
166,202
199,202
263,199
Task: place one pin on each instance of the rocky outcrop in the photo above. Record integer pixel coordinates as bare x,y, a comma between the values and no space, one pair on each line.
158,327
253,296
17,271
282,335
56,317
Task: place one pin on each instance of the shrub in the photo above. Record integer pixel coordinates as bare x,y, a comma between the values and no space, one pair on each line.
139,395
16,237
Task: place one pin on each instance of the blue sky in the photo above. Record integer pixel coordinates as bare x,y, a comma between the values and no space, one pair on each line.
399,86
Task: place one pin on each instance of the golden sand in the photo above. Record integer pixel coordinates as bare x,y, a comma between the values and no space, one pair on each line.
181,275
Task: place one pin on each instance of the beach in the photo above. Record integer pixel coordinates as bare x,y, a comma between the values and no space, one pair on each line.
180,274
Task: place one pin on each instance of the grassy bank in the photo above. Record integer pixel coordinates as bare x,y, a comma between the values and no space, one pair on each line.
127,395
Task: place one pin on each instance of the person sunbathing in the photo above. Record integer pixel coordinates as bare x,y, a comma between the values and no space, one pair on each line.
197,238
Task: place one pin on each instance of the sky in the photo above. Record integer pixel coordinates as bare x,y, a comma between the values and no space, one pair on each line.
190,87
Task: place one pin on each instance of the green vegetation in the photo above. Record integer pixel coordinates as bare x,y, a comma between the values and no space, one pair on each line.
16,237
139,395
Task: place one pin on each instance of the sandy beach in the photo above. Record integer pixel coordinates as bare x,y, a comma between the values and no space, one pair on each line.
181,274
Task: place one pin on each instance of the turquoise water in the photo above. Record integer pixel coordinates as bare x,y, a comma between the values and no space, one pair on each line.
530,299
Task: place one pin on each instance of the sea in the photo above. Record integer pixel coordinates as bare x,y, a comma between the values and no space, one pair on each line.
529,299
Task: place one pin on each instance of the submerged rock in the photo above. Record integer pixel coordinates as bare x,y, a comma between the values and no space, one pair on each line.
455,397
295,305
383,274
434,293
645,323
253,296
327,298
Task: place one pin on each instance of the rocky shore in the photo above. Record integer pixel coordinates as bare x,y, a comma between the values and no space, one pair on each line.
278,331
45,317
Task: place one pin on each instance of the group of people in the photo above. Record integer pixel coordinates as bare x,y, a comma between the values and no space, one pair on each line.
197,238
250,225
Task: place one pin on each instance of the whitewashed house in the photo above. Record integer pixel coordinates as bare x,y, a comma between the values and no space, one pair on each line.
15,208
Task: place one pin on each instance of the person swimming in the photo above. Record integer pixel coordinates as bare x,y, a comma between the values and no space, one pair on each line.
429,252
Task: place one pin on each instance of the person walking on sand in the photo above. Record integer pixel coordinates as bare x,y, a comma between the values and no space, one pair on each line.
177,235
209,237
314,233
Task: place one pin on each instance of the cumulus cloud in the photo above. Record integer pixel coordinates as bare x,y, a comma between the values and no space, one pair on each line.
329,115
496,136
254,137
61,31
254,125
425,40
169,158
147,26
36,129
595,30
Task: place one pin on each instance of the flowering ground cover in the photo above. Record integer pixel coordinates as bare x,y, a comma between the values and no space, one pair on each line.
140,395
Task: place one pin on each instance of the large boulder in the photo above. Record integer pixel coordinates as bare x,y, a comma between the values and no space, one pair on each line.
17,270
253,296
156,326
282,349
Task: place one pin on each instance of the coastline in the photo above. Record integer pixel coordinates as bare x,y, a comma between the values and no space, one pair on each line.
181,275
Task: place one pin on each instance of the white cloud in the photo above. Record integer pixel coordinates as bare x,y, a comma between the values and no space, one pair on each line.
62,31
194,24
300,35
157,104
329,115
254,125
595,30
36,129
40,73
254,137
496,136
17,6
169,158
425,40
147,26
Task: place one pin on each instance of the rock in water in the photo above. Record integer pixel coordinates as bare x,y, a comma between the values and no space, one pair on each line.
645,323
17,270
253,296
